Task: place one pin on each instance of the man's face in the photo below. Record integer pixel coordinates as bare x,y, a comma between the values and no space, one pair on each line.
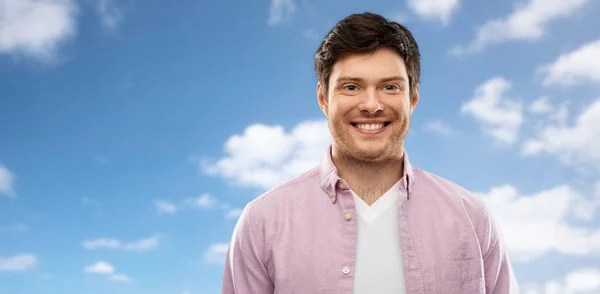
368,105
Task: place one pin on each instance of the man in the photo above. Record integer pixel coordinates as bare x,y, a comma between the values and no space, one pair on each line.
365,220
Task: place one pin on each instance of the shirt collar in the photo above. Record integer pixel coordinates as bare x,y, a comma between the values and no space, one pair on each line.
331,182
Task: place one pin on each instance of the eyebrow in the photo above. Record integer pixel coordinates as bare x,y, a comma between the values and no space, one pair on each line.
394,78
344,79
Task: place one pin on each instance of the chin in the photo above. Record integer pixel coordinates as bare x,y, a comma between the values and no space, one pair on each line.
370,152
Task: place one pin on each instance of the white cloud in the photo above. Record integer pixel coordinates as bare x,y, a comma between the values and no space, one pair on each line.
438,10
120,278
165,207
142,245
110,15
265,156
581,281
102,243
534,225
501,117
206,201
36,28
280,9
135,246
560,113
202,202
438,126
544,112
233,213
99,267
104,268
541,105
6,182
579,66
216,253
578,144
528,21
18,263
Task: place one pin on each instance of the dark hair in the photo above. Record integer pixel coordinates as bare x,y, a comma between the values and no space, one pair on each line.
365,33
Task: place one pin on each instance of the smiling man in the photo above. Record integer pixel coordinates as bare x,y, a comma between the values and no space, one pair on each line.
365,220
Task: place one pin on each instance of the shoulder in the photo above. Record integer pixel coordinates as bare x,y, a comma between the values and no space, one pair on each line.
261,219
283,195
457,198
432,184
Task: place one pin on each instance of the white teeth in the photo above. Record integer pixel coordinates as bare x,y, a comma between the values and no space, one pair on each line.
369,127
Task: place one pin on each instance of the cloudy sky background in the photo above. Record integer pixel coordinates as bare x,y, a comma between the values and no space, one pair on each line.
132,133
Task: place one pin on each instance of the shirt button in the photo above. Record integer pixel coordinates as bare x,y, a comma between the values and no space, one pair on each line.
331,194
346,270
348,216
341,186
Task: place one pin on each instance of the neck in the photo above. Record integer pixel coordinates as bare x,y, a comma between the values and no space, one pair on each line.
368,179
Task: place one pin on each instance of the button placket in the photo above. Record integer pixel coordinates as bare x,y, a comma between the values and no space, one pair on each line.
347,212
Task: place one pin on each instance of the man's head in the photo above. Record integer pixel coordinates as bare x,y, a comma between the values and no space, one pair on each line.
368,70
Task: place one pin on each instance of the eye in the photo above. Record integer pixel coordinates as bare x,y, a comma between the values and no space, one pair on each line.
391,88
350,87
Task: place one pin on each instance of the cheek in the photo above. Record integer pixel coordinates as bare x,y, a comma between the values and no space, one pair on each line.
404,109
338,111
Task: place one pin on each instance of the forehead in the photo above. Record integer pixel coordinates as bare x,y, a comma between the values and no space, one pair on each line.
380,64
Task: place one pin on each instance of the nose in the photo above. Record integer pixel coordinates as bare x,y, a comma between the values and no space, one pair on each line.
370,103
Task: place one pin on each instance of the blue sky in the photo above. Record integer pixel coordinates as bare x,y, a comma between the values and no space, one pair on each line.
133,132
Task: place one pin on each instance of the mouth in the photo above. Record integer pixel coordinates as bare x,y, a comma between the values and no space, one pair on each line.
370,127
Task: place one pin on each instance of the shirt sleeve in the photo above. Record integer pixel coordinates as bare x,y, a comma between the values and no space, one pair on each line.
499,274
245,271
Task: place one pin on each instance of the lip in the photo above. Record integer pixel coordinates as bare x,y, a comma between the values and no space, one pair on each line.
370,121
369,132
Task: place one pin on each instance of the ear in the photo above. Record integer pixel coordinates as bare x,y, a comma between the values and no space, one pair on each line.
414,100
322,99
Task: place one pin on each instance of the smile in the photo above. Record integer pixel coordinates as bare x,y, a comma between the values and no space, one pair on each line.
370,127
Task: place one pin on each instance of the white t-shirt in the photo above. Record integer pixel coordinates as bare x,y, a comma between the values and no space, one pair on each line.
379,267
